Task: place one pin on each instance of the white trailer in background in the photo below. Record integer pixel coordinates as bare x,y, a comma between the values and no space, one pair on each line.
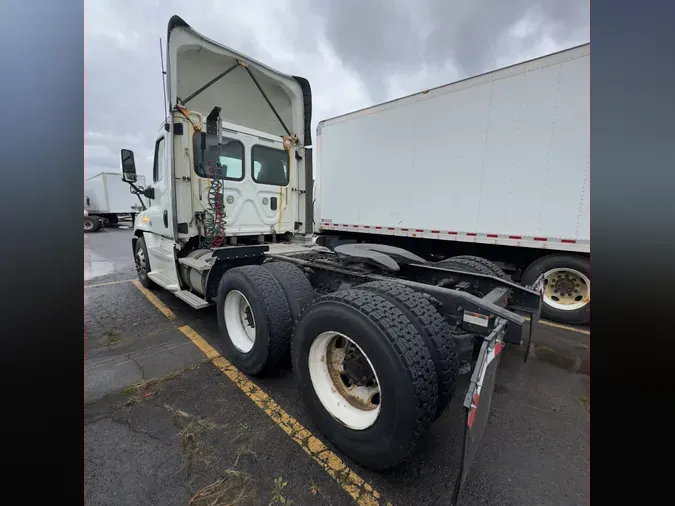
107,198
494,166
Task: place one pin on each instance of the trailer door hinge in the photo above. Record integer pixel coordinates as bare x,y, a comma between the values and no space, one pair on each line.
298,190
184,178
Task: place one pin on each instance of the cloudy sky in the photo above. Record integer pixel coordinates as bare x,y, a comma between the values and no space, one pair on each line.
354,53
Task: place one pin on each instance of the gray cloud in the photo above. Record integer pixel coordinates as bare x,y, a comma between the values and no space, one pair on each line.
453,38
354,53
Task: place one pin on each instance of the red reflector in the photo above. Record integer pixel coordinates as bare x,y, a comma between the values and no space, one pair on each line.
452,233
471,234
378,228
472,413
492,235
568,241
366,226
435,231
515,237
345,225
540,239
419,230
355,226
390,228
404,229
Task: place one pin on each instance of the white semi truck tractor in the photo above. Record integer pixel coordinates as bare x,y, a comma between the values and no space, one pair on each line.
379,336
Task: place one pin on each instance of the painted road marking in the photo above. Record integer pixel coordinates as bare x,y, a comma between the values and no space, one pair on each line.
361,491
154,300
110,283
561,326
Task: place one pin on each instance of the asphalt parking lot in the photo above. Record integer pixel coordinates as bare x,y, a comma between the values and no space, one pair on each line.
169,421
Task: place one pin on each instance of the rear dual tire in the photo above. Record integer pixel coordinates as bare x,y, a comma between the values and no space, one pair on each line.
383,433
368,361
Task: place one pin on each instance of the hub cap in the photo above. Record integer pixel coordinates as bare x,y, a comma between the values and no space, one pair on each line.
566,289
88,225
344,380
239,321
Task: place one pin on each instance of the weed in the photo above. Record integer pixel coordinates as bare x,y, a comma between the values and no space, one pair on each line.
277,496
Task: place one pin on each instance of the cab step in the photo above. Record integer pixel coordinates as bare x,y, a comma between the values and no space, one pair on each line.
163,281
194,300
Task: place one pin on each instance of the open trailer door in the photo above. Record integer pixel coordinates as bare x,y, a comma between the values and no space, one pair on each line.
477,402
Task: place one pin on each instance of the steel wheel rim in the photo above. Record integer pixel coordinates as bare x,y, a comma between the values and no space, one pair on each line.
566,289
89,225
239,321
356,406
141,265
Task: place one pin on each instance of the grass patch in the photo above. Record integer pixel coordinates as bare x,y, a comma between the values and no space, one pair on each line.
148,388
113,338
232,488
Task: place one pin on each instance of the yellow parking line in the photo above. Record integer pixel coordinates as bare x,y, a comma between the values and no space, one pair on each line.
561,326
154,300
361,491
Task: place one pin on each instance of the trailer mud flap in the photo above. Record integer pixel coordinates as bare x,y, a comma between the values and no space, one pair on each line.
477,402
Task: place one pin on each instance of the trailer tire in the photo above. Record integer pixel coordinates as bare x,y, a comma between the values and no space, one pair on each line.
91,224
467,264
433,328
251,294
296,286
491,266
400,363
578,271
142,262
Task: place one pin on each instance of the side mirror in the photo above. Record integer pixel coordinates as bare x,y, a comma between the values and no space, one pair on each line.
128,166
149,192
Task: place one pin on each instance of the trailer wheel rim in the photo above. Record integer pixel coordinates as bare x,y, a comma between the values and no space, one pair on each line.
89,225
566,289
344,380
239,321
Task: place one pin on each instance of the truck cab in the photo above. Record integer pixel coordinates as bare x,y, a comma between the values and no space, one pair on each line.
231,160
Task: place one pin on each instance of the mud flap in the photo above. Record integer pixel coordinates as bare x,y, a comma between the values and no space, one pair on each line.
477,401
538,287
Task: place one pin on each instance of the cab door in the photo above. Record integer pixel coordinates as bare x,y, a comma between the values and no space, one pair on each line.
160,240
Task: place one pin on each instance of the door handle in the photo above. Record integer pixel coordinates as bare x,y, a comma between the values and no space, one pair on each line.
166,218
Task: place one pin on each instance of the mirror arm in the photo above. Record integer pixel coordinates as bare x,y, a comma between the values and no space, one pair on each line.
138,192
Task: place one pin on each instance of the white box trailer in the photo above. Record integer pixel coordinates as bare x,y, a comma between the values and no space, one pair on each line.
497,165
107,198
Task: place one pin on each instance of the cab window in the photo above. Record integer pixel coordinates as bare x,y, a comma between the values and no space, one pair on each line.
220,161
270,165
159,166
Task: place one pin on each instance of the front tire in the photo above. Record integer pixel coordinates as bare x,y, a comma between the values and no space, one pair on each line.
142,262
365,375
254,317
567,287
